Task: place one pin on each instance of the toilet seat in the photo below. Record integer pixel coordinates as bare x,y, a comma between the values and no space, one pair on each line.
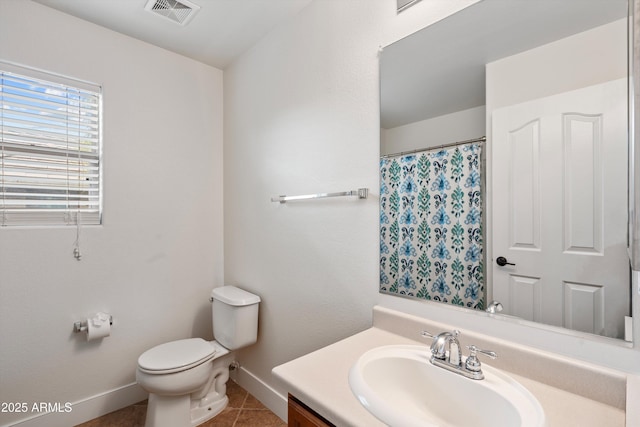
176,356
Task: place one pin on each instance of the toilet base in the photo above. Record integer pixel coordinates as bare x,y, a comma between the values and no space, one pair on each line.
192,409
200,414
172,411
213,398
167,411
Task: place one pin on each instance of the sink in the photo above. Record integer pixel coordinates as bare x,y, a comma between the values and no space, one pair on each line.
399,385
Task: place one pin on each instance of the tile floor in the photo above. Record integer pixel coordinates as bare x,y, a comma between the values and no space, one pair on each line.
243,410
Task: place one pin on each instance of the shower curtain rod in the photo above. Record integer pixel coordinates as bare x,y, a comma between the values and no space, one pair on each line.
437,147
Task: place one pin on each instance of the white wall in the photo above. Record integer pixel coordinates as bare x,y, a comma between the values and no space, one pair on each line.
582,60
301,117
445,129
155,259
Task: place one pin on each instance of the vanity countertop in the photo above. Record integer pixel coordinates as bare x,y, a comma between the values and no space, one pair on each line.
320,380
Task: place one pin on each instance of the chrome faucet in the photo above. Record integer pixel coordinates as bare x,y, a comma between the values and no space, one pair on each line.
494,307
445,353
443,341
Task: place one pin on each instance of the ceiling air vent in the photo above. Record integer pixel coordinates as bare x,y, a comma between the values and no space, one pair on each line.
180,12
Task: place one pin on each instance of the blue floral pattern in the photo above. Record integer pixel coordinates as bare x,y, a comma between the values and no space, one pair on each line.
431,239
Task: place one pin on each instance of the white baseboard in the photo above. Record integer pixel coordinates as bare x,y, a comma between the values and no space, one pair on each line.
87,409
104,403
262,391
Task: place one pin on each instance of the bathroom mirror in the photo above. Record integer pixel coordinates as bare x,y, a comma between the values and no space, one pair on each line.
546,83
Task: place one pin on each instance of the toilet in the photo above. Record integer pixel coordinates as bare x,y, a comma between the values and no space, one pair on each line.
186,379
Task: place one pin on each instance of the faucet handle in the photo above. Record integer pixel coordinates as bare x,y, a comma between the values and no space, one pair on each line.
427,334
474,349
473,363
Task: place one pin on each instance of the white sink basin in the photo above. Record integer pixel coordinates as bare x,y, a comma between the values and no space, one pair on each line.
399,385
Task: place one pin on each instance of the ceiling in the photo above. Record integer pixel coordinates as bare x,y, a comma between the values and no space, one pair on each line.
219,32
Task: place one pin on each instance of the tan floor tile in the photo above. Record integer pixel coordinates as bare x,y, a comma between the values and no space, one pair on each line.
226,418
236,394
252,403
131,416
258,418
243,410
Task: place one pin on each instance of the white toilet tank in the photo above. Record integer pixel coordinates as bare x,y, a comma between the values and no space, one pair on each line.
235,317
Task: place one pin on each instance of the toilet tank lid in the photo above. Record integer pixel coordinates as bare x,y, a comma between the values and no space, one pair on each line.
234,296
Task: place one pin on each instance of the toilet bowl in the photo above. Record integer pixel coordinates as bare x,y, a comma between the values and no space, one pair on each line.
186,379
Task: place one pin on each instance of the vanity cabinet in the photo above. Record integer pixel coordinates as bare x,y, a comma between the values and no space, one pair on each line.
300,415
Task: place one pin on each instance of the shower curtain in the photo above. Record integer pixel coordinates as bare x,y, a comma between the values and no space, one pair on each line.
431,241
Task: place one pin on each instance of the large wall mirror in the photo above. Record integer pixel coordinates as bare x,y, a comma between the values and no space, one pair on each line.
504,163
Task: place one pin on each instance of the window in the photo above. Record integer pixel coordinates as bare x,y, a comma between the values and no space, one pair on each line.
50,146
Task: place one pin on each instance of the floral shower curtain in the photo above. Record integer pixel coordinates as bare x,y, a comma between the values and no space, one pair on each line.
431,241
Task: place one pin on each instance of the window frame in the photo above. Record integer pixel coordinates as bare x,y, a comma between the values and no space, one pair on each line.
51,162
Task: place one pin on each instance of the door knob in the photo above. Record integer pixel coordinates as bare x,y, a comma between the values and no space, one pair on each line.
502,261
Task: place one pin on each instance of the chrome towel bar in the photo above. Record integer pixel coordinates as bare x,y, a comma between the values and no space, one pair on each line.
361,193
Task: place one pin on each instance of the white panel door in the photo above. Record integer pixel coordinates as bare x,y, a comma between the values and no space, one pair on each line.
560,209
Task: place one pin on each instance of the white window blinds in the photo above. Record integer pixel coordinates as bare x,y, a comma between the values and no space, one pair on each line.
50,141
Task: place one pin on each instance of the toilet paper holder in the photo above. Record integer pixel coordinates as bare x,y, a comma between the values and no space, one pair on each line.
81,326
